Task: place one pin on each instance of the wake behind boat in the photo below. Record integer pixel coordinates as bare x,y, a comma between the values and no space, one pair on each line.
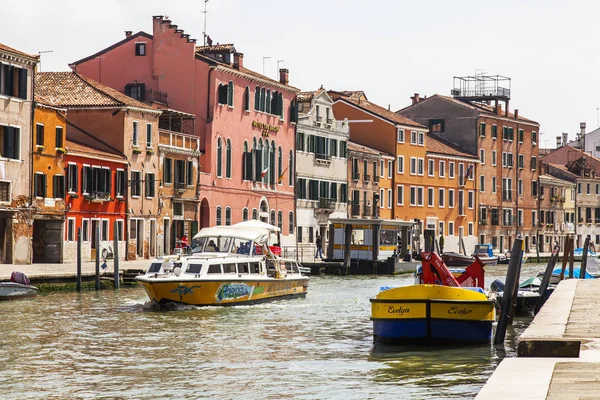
229,265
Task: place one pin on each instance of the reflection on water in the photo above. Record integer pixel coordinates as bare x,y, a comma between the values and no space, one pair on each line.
109,344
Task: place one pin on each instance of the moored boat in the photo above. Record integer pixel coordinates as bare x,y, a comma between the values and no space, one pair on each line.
228,266
18,288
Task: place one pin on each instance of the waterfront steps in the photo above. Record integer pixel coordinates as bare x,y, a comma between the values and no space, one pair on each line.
559,353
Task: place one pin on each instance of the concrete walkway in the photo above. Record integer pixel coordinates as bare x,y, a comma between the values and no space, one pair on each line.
568,326
44,271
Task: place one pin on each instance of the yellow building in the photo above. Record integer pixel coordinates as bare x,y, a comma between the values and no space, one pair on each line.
48,182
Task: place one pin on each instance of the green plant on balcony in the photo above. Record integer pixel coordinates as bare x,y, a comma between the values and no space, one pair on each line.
137,151
149,151
553,199
562,200
61,150
40,147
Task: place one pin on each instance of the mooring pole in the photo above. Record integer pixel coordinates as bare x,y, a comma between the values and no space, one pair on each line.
116,234
565,259
572,258
546,281
584,257
97,244
512,284
78,284
347,240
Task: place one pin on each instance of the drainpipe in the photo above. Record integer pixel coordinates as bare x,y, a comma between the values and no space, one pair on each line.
517,178
30,208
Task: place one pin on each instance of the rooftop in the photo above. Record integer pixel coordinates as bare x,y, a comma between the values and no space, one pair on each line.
8,49
437,145
353,146
89,150
381,112
69,89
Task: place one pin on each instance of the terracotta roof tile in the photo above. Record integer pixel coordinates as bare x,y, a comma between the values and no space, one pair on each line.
215,48
69,89
8,49
86,149
563,169
434,144
308,96
353,146
382,112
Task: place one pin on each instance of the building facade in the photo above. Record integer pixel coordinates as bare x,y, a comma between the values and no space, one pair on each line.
16,115
554,217
48,149
245,120
363,181
321,168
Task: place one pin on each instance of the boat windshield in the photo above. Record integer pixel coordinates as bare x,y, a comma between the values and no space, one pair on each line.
210,244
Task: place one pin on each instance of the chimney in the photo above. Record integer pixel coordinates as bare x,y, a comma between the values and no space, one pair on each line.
558,141
499,109
516,114
415,99
284,76
389,107
582,127
238,60
565,138
128,34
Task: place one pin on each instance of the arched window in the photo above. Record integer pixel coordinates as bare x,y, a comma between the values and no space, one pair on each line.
227,215
272,164
291,169
265,162
268,102
257,98
254,213
245,214
247,99
219,158
293,111
230,94
222,93
228,160
280,220
279,165
262,99
258,161
272,217
291,223
275,103
280,104
246,163
219,216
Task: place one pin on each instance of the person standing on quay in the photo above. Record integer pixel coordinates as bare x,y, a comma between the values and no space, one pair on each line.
319,253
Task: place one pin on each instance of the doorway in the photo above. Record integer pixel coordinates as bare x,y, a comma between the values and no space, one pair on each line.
429,236
139,244
47,241
6,239
166,236
152,238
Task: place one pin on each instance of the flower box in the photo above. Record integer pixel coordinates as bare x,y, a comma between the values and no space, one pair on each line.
61,150
73,195
149,151
39,147
137,151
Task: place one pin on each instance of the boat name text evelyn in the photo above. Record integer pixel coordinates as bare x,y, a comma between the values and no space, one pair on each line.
399,311
459,311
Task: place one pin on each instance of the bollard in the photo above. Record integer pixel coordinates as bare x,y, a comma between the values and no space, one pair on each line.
511,286
116,253
97,244
584,257
546,281
78,284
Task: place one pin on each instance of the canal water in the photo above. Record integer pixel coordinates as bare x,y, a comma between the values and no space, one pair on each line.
108,344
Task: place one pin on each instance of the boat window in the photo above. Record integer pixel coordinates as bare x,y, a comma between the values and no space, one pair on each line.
198,245
229,268
287,265
241,246
358,237
242,268
388,238
154,267
254,268
194,268
295,268
214,269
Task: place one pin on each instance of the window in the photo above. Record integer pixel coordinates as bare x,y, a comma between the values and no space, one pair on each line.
442,171
470,229
413,196
430,199
494,132
219,216
507,189
120,183
381,198
272,219
494,158
382,168
391,168
400,135
520,187
413,137
39,134
219,158
168,171
150,185
104,233
441,228
343,193
451,228
482,215
254,213
189,173
59,137
140,49
413,166
72,178
421,167
10,145
148,135
245,214
136,91
471,200
375,169
400,164
228,159
451,198
521,135
400,195
280,220
15,81
482,156
461,202
179,172
230,94
291,223
228,216
441,193
70,229
521,161
247,99
533,138
534,188
39,184
482,129
533,163
58,187
482,183
290,170
420,195
430,167
134,139
85,230
494,184
343,149
421,138
135,184
451,170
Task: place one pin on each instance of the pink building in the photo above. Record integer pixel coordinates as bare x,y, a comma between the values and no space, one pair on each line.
245,120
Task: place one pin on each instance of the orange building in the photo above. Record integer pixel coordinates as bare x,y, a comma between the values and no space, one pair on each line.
433,180
48,182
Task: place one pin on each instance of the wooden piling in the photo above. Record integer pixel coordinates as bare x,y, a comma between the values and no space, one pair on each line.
97,244
512,284
572,259
546,280
566,255
584,257
78,284
116,253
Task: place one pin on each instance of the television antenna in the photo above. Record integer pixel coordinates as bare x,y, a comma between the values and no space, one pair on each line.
43,52
204,12
264,58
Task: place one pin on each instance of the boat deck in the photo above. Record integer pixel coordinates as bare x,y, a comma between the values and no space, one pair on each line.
559,354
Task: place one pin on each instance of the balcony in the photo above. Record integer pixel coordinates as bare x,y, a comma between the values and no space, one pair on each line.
97,197
179,187
366,211
327,204
355,210
355,177
322,158
376,179
366,178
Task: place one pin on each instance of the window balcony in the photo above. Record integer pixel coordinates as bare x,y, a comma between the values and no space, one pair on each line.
355,210
327,204
180,187
366,178
376,179
355,177
366,211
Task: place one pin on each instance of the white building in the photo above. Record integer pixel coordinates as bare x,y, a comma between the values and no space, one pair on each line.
321,169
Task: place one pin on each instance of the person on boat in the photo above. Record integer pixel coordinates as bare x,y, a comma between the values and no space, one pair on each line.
319,244
211,246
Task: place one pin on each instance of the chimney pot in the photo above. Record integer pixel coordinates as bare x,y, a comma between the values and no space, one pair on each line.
558,141
516,114
415,99
238,60
284,76
499,109
128,34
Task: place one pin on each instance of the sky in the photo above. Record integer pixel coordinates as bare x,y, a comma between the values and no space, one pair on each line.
389,49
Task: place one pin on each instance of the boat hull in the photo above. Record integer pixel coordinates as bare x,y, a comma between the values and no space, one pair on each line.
14,291
432,314
220,292
460,260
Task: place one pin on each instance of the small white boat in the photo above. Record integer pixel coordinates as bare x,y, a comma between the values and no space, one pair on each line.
18,288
